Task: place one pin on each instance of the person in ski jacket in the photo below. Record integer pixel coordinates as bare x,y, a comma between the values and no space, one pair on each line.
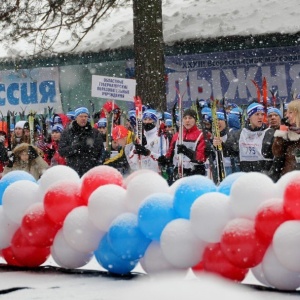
124,139
80,143
286,145
26,158
274,117
51,155
155,145
253,143
192,148
230,163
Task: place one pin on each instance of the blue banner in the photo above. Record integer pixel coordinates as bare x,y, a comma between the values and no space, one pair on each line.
229,74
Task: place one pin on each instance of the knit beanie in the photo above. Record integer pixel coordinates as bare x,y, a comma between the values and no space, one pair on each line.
81,110
119,132
275,110
254,108
150,113
102,122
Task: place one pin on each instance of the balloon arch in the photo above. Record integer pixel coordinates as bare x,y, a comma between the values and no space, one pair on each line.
246,224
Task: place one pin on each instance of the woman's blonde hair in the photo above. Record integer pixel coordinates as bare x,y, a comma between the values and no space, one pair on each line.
294,106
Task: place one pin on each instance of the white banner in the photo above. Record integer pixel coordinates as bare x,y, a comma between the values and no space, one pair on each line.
113,88
29,89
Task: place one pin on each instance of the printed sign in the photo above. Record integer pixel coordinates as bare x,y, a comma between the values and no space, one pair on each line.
29,89
229,74
113,88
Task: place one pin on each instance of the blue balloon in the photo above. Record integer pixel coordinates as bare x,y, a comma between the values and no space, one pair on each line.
225,186
126,239
110,261
12,177
155,213
189,189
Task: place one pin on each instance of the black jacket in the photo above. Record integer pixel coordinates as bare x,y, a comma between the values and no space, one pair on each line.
81,146
231,148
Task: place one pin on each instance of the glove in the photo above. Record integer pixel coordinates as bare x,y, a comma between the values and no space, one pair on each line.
50,152
33,154
2,138
162,160
141,150
185,151
11,161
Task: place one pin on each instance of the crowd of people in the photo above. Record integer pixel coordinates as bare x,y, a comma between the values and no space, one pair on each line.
202,140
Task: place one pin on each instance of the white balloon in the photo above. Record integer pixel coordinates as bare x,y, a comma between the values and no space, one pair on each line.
105,204
67,257
141,186
180,245
277,275
285,180
286,245
56,174
248,192
155,263
17,197
79,231
135,174
209,215
258,273
7,229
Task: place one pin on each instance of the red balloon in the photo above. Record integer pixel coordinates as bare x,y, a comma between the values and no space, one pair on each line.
37,228
9,257
99,176
60,199
216,262
291,199
240,244
26,254
269,217
198,268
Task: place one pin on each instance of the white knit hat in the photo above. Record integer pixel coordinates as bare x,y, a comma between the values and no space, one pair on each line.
20,124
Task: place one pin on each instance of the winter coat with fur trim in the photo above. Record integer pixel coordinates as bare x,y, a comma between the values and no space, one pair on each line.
285,144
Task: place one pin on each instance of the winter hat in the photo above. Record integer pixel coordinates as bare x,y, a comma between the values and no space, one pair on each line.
233,121
57,128
132,117
119,132
205,110
57,120
167,115
220,115
102,122
71,115
190,112
275,110
20,124
81,110
168,122
254,108
150,113
236,111
26,125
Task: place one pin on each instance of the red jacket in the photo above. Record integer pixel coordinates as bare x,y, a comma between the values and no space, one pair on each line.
190,135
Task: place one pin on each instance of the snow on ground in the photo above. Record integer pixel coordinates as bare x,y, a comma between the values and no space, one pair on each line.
67,286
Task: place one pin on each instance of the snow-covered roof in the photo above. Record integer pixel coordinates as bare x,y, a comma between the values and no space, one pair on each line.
184,20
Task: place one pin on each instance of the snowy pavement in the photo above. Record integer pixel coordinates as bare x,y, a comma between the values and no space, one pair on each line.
75,286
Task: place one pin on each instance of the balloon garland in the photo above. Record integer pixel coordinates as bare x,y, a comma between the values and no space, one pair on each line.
246,224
